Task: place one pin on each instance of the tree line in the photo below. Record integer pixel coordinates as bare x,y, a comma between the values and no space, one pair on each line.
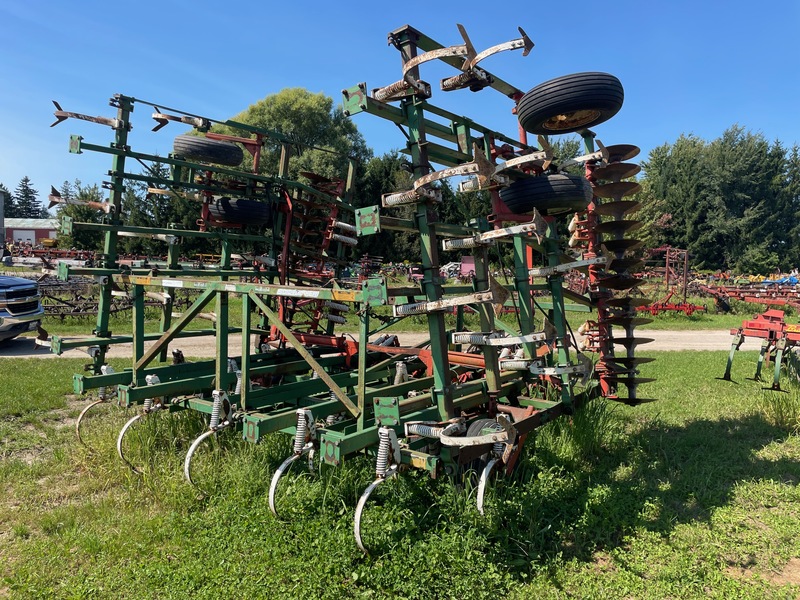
732,202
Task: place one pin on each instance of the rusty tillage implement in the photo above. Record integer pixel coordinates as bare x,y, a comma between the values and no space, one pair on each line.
778,339
466,399
664,305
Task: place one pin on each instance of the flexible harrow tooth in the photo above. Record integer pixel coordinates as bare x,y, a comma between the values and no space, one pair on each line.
120,451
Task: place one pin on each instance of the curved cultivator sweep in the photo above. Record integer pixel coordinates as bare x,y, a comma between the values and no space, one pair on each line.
466,400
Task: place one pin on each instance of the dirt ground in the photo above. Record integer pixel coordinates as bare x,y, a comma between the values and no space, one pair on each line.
206,347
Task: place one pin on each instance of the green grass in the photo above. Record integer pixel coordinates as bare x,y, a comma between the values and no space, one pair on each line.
692,496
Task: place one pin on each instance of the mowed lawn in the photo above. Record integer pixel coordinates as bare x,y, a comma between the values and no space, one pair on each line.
692,496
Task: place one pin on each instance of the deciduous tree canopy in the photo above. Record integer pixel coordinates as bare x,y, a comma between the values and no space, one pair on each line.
732,202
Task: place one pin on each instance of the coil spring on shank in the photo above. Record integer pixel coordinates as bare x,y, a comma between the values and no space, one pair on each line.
388,92
384,448
427,431
337,306
410,309
343,239
514,365
300,432
399,198
216,410
345,226
475,339
460,244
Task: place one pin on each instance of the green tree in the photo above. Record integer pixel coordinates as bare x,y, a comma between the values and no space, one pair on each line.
382,175
731,202
26,201
322,136
80,238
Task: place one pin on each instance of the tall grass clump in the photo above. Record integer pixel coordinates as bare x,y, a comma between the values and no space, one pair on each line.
781,409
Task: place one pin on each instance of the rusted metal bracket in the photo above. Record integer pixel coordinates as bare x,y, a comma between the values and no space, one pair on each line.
537,227
55,198
495,338
62,115
473,76
507,436
418,308
485,171
563,268
411,197
400,88
541,159
535,368
173,194
162,119
601,156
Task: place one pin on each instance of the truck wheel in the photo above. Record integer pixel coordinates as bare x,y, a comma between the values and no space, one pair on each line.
549,194
240,210
202,149
570,103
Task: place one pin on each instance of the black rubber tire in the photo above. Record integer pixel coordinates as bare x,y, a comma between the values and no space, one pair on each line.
240,210
570,103
549,194
475,467
202,149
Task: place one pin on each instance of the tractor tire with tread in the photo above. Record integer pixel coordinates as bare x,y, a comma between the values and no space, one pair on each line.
570,103
549,194
240,210
203,149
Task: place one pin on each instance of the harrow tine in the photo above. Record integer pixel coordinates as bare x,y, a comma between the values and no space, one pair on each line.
187,463
122,432
82,415
483,481
273,486
362,502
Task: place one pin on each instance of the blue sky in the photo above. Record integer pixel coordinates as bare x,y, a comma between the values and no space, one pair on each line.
687,67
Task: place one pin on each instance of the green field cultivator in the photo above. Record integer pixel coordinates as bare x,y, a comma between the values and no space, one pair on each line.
464,400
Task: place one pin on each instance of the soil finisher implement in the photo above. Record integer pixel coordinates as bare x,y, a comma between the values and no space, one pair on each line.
466,401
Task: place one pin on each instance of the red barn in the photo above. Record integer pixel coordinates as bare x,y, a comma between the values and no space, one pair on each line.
30,231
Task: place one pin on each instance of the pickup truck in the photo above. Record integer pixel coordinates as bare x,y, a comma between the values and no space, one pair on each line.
20,306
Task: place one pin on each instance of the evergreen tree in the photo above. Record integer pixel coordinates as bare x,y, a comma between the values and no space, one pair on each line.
26,201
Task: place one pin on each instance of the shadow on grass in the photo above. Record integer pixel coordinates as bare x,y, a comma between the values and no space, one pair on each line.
655,479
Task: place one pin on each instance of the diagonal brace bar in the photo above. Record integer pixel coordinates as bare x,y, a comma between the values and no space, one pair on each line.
297,345
168,336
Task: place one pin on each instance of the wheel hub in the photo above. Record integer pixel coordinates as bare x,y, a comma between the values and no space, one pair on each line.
571,120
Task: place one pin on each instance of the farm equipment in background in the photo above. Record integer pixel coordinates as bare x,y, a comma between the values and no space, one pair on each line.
465,401
778,340
664,305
